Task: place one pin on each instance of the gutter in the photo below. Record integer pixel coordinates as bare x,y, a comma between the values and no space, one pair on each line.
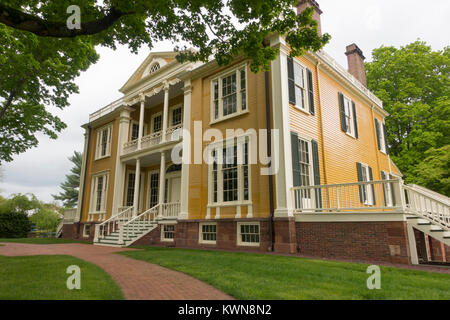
269,153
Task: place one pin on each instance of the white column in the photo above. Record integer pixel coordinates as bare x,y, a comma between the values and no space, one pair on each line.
280,112
184,199
136,187
141,121
119,175
412,244
82,175
162,182
166,111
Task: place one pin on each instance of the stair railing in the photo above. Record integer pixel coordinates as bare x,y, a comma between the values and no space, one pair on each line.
138,223
424,204
112,224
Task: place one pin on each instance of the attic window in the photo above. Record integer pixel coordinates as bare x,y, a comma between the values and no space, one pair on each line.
155,67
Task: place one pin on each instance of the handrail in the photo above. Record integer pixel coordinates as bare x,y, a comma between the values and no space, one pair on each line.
107,227
431,208
136,224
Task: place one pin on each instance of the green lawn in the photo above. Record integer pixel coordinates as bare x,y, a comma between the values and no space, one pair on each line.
44,277
40,240
259,276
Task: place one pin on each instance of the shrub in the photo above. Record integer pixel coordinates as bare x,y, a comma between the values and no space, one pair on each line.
14,225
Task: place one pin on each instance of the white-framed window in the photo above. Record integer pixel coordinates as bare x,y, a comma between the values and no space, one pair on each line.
167,232
104,136
306,169
229,172
248,233
366,190
131,179
134,130
301,87
229,94
99,189
156,124
154,67
387,189
86,230
208,233
176,116
349,116
153,189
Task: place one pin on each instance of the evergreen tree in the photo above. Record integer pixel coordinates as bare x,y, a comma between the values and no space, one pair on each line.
69,195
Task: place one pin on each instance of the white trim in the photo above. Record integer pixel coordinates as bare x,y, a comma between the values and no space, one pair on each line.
238,235
152,128
98,155
219,77
141,187
84,231
163,238
171,109
218,147
93,195
200,233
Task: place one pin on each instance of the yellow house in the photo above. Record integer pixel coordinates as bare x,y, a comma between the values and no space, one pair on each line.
292,160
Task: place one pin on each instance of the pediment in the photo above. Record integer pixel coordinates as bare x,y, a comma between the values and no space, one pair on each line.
154,62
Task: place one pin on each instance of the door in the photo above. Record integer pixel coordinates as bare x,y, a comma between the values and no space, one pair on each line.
175,189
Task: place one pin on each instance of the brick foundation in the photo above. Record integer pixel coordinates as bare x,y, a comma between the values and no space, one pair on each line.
369,241
359,241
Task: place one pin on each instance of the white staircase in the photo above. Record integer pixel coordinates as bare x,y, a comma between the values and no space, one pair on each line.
124,229
428,212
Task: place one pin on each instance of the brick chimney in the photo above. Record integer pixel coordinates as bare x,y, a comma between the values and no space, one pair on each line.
303,4
356,67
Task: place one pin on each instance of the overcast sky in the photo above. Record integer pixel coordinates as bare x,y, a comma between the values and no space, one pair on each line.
368,23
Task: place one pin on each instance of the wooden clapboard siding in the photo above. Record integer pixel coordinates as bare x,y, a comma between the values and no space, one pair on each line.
254,119
94,166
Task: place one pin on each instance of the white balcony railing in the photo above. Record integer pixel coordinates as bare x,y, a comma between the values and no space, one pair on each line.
368,196
172,134
170,210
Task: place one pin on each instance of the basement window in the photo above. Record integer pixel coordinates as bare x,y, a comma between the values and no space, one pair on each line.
168,232
208,233
86,230
248,234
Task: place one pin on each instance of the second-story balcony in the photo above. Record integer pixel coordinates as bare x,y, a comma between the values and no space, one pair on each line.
154,140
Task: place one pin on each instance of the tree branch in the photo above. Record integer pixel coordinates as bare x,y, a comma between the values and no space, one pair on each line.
20,20
8,102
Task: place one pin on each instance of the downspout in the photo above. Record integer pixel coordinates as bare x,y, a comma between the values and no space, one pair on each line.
84,178
269,153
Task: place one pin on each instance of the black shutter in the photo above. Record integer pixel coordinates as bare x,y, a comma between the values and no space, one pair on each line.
372,186
377,129
383,177
355,122
342,112
310,91
385,139
360,179
291,80
315,154
295,160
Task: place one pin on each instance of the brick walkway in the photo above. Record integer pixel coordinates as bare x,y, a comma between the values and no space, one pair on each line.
138,279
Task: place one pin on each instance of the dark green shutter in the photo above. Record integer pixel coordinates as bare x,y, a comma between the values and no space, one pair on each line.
310,91
342,112
355,121
295,160
316,166
385,139
383,177
360,179
291,80
372,186
377,129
